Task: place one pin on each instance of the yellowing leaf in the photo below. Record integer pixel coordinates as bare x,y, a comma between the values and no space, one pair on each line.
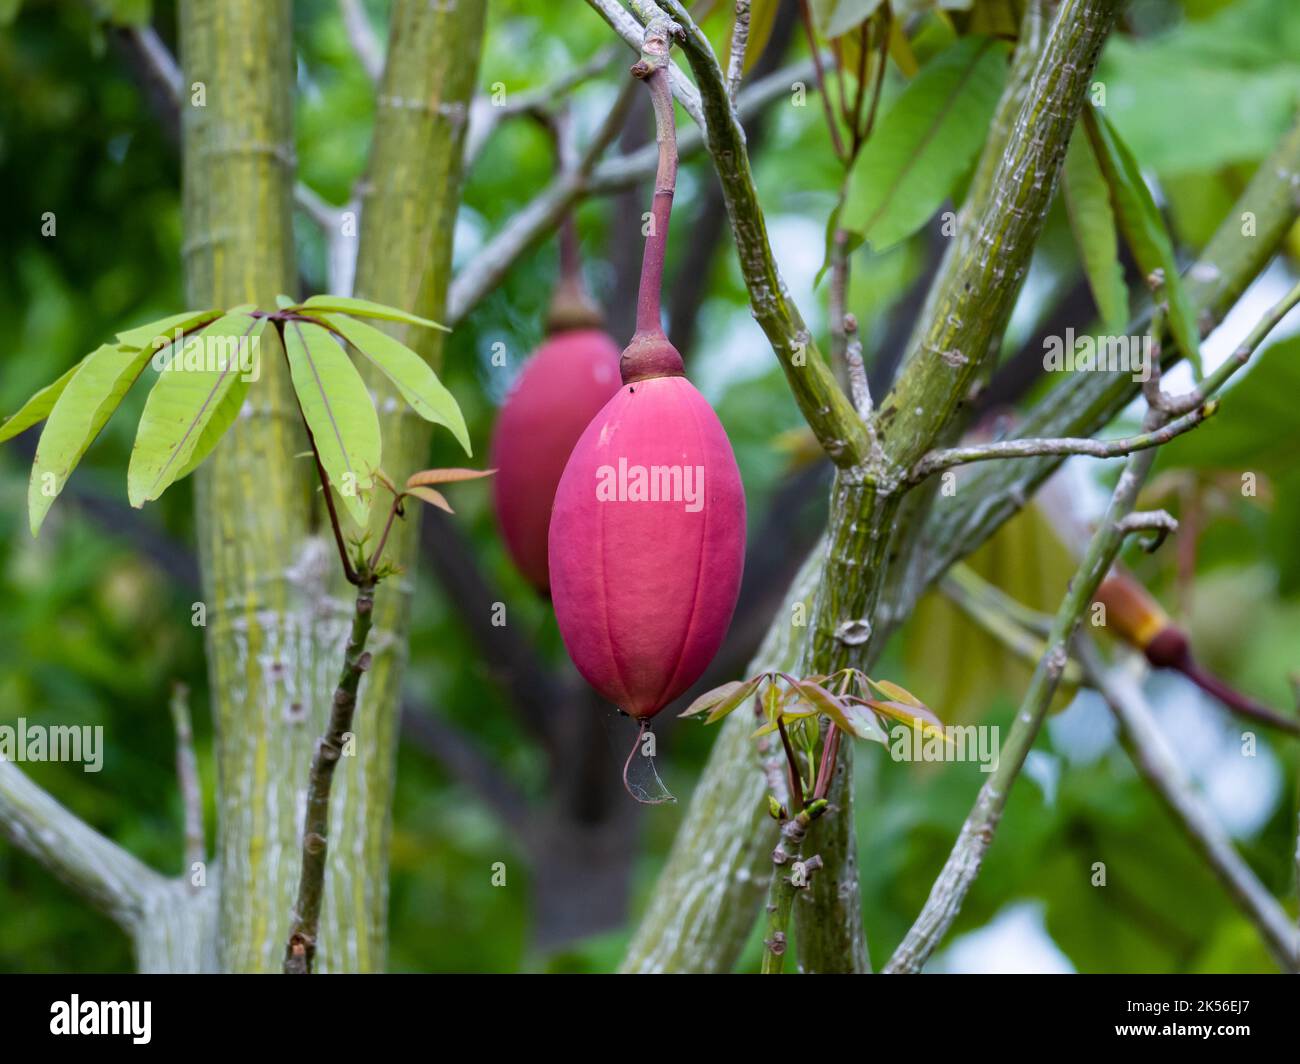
897,693
965,669
848,717
910,715
900,49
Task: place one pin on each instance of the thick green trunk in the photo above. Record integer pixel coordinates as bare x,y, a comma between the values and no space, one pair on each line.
271,639
276,620
866,538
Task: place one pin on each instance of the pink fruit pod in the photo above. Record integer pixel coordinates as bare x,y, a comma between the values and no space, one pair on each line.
647,543
563,386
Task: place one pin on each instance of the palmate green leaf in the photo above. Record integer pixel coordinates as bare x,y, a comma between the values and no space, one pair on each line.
413,377
143,336
81,411
1144,229
339,412
37,408
1087,202
228,410
363,308
189,399
925,143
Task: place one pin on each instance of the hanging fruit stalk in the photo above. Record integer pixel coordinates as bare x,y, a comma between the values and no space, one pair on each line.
1134,616
647,534
573,374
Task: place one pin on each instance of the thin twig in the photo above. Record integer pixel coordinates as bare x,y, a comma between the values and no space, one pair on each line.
1003,626
790,874
485,114
963,864
1160,769
187,776
335,524
831,122
739,43
955,456
1216,380
394,511
860,88
627,27
967,856
300,951
990,597
837,301
878,89
795,778
484,271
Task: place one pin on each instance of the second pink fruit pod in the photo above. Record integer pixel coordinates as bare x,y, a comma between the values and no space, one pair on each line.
561,388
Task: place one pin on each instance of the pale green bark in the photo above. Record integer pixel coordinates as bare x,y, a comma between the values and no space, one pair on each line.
276,622
864,535
270,637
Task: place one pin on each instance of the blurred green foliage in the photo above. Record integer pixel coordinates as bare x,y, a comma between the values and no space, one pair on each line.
94,631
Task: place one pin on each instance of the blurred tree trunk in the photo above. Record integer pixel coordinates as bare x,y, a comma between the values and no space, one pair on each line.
268,648
275,629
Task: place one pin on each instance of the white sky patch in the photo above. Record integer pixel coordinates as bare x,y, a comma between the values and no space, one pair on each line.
1013,942
1045,770
1206,740
1084,731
